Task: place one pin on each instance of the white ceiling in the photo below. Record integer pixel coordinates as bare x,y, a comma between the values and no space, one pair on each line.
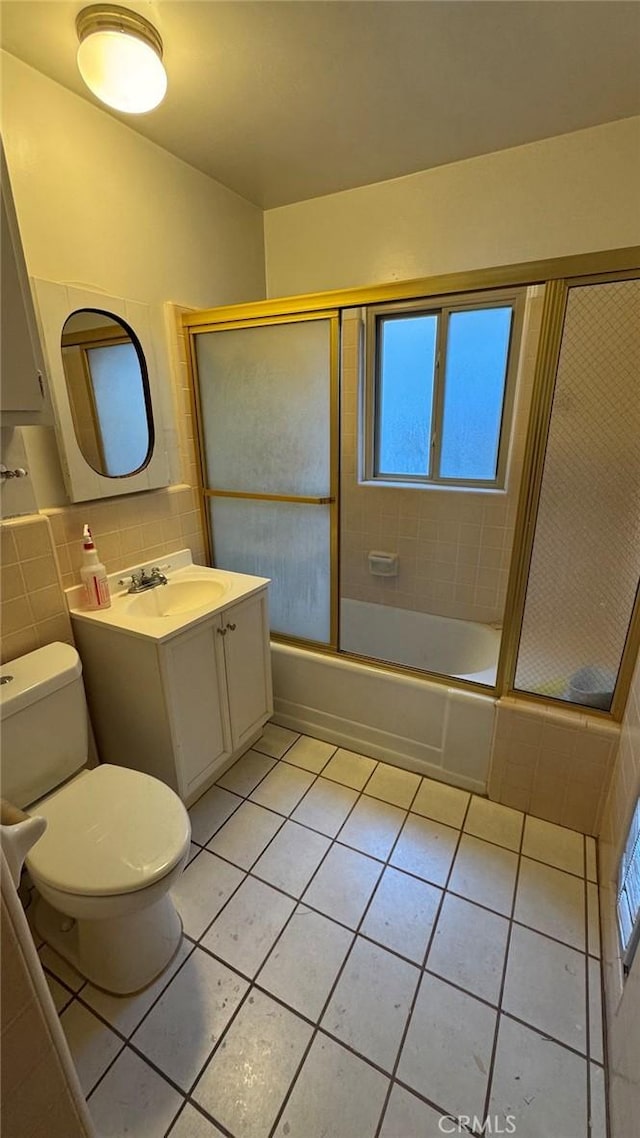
290,100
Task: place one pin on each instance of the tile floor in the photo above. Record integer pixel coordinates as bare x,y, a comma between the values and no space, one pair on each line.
365,952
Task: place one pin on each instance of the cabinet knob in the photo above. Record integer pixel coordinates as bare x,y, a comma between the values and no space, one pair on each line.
231,627
221,631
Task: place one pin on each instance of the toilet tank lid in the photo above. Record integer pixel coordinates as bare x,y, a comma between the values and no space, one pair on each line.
37,675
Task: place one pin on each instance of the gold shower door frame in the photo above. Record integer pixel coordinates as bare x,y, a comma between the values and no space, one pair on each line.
206,492
557,275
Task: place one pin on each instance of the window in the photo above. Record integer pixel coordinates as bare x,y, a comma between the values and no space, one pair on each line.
440,385
629,891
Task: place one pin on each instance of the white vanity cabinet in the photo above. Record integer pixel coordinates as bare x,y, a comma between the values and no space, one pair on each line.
218,684
182,707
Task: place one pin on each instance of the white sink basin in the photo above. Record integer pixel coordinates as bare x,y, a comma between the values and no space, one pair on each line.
176,597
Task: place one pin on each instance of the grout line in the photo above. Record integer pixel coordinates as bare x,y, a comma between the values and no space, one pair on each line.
425,958
587,983
503,981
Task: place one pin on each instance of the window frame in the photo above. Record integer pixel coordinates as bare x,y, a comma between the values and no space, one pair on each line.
630,853
442,307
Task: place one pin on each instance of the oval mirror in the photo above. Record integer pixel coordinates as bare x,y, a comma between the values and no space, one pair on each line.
108,389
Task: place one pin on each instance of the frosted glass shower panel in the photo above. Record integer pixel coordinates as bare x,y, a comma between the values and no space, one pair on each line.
288,542
586,553
265,402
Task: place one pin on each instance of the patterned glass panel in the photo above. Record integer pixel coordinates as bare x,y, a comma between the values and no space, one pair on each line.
586,555
288,542
265,399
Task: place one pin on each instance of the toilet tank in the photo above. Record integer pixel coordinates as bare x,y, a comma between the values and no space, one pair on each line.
43,722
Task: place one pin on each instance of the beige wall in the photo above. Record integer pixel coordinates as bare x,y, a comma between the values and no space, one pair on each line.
454,547
622,1002
572,194
554,763
100,206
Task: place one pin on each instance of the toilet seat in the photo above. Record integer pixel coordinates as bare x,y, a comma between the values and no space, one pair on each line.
110,831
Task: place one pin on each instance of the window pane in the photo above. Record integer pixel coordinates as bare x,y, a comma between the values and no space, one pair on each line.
405,393
477,349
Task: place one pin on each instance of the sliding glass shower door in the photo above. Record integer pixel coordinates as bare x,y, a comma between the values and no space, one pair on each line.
267,405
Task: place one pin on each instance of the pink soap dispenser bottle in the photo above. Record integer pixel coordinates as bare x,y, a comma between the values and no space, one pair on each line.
94,575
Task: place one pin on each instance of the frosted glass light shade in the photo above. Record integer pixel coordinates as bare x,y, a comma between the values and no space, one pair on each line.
125,72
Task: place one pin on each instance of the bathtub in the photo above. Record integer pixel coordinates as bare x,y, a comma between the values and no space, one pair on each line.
458,648
437,730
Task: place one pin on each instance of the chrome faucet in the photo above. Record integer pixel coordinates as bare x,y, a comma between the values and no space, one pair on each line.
140,580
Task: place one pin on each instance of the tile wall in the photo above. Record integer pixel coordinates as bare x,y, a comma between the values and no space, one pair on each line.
552,763
454,546
41,553
622,998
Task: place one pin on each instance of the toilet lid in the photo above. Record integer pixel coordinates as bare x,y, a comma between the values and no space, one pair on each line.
111,830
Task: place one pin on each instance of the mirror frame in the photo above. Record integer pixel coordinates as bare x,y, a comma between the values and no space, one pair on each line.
55,304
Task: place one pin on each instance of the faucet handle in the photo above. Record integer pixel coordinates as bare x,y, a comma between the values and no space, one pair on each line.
159,569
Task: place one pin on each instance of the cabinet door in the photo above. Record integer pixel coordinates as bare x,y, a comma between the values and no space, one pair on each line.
195,686
248,663
21,366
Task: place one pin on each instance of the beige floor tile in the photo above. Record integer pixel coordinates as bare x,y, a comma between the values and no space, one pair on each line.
133,1099
598,1102
191,1124
402,913
372,827
275,740
485,873
283,788
243,838
55,964
310,754
408,1117
60,995
305,961
454,1073
248,1077
182,1029
545,987
370,1005
552,902
441,802
596,1048
249,925
244,776
539,1085
202,890
591,859
292,858
392,784
125,1012
425,848
336,1094
210,812
554,845
469,948
494,823
343,885
325,807
593,925
350,768
92,1045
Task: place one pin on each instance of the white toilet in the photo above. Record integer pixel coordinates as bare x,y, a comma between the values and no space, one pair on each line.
115,841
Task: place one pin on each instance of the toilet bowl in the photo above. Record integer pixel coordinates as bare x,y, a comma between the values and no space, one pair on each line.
115,840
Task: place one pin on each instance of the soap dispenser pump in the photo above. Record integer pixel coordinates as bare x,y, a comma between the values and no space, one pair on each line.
94,575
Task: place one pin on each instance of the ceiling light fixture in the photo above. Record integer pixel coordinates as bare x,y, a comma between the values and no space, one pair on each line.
120,58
